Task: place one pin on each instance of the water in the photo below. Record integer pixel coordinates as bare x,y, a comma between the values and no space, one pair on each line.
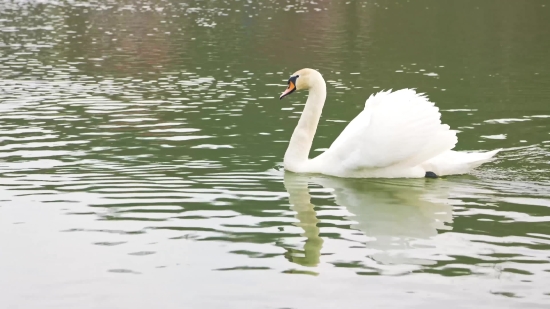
141,144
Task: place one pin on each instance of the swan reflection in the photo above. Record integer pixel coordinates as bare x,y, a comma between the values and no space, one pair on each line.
391,213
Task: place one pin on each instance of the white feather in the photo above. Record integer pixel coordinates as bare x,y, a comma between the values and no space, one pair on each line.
398,134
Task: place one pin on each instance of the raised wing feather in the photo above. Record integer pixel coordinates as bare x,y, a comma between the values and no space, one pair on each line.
395,128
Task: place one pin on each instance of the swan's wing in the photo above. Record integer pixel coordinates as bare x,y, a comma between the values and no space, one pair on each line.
395,128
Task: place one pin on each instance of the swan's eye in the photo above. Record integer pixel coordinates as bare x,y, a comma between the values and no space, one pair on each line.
293,79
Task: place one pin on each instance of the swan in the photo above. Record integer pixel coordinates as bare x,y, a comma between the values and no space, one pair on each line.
398,135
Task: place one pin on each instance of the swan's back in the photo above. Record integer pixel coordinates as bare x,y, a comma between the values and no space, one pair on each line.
395,133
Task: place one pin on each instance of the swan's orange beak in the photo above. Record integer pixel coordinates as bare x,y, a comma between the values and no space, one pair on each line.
290,89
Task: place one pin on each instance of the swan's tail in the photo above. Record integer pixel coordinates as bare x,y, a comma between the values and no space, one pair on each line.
482,157
454,162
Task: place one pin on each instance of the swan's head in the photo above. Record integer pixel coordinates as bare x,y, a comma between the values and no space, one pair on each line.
302,79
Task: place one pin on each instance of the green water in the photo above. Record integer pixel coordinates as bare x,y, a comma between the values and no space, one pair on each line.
141,145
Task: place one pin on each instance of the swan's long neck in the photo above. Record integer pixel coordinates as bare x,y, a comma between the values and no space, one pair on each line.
298,149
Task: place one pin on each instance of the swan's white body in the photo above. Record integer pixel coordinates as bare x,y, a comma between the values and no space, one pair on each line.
398,134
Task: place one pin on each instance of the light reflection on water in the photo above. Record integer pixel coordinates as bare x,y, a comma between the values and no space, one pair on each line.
145,139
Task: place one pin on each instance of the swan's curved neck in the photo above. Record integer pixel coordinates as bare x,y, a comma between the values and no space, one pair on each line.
298,149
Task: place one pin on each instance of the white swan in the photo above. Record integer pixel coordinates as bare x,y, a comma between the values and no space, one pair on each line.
398,134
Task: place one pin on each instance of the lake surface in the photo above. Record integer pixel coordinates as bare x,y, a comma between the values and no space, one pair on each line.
141,145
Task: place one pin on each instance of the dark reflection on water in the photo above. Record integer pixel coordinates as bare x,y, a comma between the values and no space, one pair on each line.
139,138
